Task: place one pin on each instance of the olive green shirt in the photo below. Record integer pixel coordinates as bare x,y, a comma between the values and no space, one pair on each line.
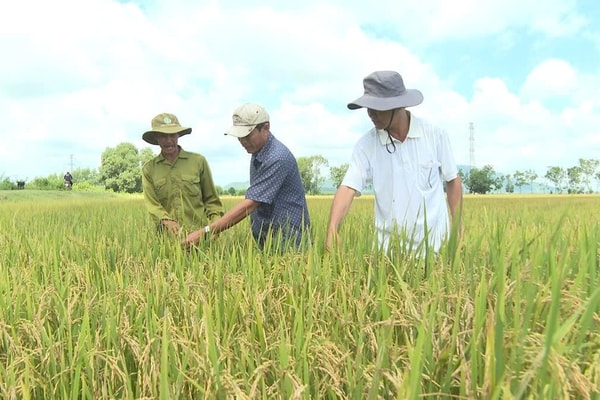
183,191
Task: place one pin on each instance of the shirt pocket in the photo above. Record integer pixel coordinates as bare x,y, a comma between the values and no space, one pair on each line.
428,174
161,188
191,185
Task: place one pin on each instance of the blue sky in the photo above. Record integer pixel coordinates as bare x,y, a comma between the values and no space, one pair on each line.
80,76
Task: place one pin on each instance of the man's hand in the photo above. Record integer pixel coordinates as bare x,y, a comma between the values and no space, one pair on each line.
333,241
193,238
339,208
171,226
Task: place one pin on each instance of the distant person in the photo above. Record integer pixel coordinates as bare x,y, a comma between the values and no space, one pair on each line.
275,200
68,180
179,191
407,160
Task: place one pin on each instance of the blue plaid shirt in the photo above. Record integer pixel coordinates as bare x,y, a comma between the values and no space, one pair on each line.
275,183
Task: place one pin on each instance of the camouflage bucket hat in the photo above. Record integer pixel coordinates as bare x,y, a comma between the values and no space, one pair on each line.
164,123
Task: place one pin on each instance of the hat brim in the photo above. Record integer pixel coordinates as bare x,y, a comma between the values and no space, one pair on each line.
150,136
240,131
410,98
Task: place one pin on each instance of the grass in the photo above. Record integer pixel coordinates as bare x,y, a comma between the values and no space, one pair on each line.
94,305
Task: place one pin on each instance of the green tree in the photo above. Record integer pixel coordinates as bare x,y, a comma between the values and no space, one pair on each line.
574,179
120,169
83,179
231,191
51,182
510,187
530,177
146,154
589,168
337,174
521,180
482,180
88,175
557,176
6,183
310,172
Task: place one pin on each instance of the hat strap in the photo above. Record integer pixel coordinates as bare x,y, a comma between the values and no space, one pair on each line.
387,129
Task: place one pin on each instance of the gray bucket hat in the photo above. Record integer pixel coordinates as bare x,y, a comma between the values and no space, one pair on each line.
384,90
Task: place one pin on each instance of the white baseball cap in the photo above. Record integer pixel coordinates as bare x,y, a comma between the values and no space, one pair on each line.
245,118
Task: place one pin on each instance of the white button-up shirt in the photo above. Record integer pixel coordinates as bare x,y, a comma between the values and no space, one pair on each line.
408,183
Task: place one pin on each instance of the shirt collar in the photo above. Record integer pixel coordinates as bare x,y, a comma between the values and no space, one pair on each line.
182,154
414,131
260,154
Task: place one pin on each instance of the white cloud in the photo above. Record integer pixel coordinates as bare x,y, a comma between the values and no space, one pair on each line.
435,20
78,77
550,78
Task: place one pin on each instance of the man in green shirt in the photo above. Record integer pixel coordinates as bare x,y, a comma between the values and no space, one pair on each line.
179,191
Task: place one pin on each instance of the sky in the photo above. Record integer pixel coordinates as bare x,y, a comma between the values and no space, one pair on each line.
519,77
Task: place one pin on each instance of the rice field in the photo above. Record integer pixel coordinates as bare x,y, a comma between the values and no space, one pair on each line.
95,305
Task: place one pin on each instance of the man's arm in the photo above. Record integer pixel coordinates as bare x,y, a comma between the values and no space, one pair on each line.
339,208
454,194
231,217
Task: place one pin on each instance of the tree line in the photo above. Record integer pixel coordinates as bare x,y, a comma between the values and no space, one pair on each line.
576,179
120,171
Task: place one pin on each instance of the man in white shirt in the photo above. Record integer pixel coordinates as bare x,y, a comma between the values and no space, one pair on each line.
407,160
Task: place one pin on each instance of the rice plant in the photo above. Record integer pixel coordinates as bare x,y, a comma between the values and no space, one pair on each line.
94,304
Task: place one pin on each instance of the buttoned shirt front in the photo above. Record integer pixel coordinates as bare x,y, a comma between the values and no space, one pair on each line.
408,182
182,191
